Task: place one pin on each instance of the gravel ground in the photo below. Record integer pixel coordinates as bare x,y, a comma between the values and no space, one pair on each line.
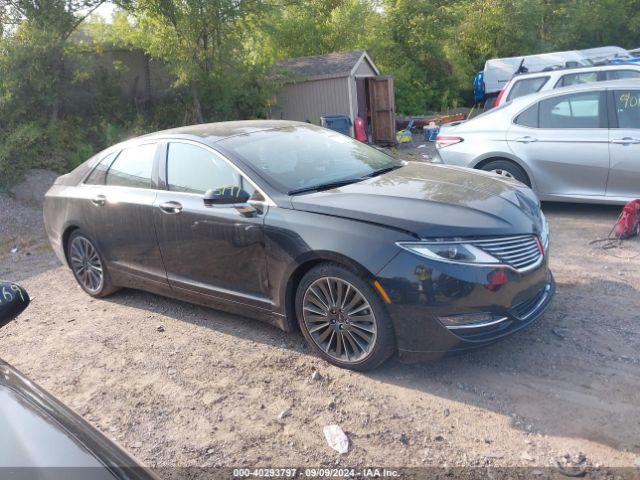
180,385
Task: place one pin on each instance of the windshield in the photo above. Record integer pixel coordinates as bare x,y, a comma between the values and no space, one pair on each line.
303,157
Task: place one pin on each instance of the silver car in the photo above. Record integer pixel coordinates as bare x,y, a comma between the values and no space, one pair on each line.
578,143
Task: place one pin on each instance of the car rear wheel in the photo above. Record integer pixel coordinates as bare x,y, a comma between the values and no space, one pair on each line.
507,169
88,266
343,318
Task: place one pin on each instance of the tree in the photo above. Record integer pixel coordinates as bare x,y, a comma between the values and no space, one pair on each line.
44,27
202,43
316,27
588,24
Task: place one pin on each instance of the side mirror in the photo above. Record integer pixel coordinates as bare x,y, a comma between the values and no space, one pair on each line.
13,300
225,196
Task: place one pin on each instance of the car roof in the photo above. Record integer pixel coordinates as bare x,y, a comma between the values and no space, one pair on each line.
214,132
583,87
588,68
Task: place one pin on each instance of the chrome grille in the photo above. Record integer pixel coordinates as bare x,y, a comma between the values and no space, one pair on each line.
520,252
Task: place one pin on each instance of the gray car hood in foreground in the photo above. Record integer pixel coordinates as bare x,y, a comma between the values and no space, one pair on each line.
433,201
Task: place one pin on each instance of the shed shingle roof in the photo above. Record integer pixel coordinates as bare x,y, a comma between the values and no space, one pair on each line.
330,65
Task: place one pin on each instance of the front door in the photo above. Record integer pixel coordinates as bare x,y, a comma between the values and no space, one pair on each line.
209,250
119,208
624,145
382,102
565,142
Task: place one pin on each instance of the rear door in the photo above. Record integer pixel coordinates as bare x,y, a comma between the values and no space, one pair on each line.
120,213
624,144
565,143
209,250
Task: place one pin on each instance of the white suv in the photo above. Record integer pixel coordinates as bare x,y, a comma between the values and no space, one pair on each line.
526,83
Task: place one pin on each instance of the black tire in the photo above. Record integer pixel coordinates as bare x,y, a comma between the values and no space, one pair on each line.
508,168
383,344
105,286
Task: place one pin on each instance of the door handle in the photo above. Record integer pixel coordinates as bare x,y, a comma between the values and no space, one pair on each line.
526,139
99,200
171,207
625,141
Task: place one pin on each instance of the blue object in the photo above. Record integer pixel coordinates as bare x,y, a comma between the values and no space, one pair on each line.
339,123
624,60
478,87
433,133
430,133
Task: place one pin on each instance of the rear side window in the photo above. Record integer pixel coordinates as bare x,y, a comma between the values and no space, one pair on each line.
99,173
578,110
627,104
526,86
528,118
622,74
577,79
133,167
193,169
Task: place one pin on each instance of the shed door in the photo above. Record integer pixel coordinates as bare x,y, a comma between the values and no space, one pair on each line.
383,109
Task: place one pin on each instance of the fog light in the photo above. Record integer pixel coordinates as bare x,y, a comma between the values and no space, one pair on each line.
470,320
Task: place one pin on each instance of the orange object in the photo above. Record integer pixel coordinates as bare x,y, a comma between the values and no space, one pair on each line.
381,290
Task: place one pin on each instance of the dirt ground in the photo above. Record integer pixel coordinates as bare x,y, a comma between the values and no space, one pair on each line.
180,385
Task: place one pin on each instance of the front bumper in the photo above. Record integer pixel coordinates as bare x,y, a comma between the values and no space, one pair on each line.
423,290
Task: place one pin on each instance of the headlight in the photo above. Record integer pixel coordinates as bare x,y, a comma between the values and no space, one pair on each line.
544,232
453,252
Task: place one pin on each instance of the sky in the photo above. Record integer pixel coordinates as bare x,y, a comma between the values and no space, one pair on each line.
105,10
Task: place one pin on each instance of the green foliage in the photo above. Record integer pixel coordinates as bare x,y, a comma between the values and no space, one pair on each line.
18,148
315,27
203,46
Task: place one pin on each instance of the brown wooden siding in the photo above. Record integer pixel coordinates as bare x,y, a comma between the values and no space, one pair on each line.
310,100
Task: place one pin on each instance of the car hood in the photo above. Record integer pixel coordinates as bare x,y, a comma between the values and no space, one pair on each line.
432,201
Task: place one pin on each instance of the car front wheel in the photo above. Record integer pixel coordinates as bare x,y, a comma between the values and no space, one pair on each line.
343,318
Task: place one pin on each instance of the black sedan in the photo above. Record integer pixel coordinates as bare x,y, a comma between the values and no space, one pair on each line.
304,227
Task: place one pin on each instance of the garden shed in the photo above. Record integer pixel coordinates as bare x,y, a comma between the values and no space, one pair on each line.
341,83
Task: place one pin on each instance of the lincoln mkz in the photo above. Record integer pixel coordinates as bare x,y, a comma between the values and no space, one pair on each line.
306,228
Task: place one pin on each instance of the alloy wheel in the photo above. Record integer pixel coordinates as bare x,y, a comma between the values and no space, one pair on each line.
339,319
86,264
502,173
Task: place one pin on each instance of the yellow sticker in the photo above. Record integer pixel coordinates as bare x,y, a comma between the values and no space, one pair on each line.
627,100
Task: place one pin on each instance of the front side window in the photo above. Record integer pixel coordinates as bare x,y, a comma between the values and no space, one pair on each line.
627,104
133,167
526,86
577,79
578,110
305,156
622,74
99,173
193,169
